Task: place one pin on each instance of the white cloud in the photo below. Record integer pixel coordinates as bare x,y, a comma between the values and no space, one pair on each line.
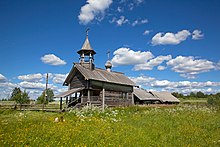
6,89
51,59
32,85
138,2
122,20
126,56
151,63
190,67
120,9
8,85
31,77
197,34
2,78
160,83
142,80
217,66
170,38
138,22
59,78
35,85
93,9
184,87
161,67
146,32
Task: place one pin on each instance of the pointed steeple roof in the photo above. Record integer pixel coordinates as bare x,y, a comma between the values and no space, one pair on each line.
86,48
86,45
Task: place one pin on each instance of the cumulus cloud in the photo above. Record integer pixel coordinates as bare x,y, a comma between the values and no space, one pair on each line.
35,85
51,59
2,78
197,34
122,20
217,66
146,32
31,77
170,38
151,63
32,85
160,83
126,56
93,9
189,67
161,67
138,22
59,78
120,9
184,87
142,80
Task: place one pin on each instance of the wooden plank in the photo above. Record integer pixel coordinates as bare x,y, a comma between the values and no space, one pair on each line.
78,81
103,99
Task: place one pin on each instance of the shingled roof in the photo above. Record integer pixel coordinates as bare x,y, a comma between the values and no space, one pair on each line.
166,96
163,96
86,47
145,95
99,75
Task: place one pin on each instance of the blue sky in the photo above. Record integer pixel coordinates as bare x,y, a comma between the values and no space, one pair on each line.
162,45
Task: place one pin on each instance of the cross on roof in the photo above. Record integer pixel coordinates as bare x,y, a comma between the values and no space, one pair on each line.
108,52
87,31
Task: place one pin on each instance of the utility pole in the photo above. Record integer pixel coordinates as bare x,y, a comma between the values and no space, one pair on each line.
45,92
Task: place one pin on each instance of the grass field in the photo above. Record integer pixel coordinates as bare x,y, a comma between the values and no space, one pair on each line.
131,126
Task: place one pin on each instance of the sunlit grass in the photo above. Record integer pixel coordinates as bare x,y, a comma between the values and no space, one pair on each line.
132,126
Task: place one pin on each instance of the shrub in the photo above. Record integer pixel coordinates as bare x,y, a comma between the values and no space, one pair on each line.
214,101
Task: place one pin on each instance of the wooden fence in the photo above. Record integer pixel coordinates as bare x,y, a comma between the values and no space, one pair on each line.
36,107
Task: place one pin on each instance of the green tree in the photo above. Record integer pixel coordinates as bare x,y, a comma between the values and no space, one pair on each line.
20,97
16,91
192,95
178,95
48,97
200,95
214,100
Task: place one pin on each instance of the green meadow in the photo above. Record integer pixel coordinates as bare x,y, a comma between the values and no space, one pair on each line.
183,125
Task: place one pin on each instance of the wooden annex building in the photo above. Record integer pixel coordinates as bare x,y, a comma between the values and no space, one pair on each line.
142,96
89,85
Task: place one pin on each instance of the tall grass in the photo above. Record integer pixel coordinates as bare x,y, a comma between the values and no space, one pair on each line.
131,126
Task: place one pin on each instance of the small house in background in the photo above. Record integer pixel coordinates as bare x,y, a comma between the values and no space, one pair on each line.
142,96
89,85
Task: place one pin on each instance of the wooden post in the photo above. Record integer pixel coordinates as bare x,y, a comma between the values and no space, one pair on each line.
75,96
103,99
132,98
89,97
45,92
67,101
61,101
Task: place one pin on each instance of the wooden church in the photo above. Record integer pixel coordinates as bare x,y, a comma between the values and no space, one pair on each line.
89,85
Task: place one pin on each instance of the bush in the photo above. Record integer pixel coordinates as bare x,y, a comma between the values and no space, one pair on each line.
214,101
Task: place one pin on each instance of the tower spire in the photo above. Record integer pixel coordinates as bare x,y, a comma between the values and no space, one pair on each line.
87,53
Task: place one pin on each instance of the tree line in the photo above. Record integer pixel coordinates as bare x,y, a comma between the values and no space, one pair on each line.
212,99
22,97
193,95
